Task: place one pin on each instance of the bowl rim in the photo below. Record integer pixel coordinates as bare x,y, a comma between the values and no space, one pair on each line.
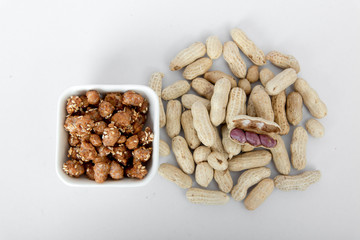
149,93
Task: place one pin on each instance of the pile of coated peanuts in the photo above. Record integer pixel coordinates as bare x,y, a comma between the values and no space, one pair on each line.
221,99
106,136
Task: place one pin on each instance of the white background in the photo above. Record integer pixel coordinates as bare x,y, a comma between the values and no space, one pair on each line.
47,46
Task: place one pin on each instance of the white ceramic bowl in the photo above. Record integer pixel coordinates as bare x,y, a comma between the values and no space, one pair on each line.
62,144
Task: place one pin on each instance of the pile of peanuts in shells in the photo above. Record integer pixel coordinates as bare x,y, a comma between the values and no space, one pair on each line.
251,121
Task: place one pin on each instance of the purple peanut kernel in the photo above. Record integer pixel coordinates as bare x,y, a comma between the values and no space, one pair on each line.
267,141
238,135
252,138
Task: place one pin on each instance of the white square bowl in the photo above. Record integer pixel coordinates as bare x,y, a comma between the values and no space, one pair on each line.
62,144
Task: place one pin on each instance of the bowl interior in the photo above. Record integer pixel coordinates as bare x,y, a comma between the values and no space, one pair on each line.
62,136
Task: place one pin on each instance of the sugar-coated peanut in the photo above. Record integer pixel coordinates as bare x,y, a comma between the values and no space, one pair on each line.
73,104
93,113
131,98
219,101
73,168
214,76
187,124
197,68
132,142
93,97
101,171
294,104
73,140
145,137
316,107
280,156
245,85
175,175
234,60
175,90
187,56
253,73
117,99
278,104
122,119
183,155
281,81
224,180
204,174
106,109
116,170
79,126
99,127
201,154
95,140
298,148
136,171
254,159
231,147
248,47
202,124
265,76
208,197
247,179
164,149
315,128
283,61
218,160
89,171
188,100
259,194
237,104
173,114
85,101
213,47
110,136
298,182
262,103
143,154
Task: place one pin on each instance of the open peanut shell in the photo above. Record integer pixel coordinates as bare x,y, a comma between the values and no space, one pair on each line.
254,131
